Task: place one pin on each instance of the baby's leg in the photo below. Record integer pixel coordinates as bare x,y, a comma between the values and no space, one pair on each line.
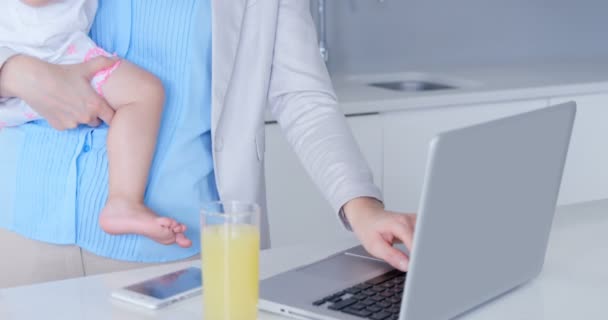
138,98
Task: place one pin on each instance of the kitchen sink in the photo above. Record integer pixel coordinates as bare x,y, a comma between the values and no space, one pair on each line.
412,82
412,85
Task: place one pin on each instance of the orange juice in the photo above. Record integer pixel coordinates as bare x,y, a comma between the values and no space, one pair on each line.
230,271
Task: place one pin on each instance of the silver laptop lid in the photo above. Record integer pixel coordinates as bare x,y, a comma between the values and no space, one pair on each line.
486,211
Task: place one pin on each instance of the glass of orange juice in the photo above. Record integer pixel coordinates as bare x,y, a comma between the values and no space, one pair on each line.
230,243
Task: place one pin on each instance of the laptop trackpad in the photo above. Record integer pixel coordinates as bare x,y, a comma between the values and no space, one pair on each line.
346,268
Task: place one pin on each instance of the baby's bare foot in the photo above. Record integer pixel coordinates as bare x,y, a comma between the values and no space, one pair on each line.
121,216
182,241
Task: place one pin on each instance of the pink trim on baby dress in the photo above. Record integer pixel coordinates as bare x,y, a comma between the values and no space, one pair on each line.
30,115
71,50
101,77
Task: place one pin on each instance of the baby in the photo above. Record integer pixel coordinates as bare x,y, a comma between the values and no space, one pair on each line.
56,31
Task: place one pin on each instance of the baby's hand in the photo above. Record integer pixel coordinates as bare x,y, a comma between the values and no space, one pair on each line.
37,3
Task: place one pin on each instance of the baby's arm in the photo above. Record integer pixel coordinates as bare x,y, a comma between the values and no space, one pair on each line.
37,3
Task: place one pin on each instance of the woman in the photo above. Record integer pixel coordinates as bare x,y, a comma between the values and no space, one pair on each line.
221,63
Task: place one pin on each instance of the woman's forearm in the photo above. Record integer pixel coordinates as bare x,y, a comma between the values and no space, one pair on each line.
20,75
5,55
9,75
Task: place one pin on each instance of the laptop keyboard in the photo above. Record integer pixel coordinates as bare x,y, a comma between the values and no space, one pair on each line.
378,298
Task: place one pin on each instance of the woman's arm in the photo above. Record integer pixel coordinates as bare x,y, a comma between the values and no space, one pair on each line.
303,102
5,54
61,94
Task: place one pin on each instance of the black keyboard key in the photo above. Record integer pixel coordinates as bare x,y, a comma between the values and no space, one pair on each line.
386,294
360,296
395,299
332,297
343,304
393,310
377,289
393,317
383,304
359,313
363,286
394,291
369,292
384,277
319,302
358,306
374,309
377,298
388,284
380,315
368,302
353,290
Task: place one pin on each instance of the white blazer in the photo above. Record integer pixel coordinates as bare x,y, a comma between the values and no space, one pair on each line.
265,54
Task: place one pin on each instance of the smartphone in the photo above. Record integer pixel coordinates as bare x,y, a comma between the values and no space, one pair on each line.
164,290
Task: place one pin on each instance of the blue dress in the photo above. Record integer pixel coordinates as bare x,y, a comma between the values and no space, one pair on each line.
54,184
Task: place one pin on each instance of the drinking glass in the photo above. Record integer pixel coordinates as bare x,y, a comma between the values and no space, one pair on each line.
230,242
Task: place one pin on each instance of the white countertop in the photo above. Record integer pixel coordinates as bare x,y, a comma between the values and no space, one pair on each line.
482,84
573,284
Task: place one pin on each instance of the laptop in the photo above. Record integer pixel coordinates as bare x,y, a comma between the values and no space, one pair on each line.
485,215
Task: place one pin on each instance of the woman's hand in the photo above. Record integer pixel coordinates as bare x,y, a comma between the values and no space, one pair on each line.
61,94
378,230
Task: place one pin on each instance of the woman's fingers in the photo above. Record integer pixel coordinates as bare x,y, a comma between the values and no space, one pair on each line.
400,227
97,106
94,123
101,109
403,229
378,229
56,124
384,250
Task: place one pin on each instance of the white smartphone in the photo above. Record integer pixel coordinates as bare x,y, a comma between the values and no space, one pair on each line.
164,290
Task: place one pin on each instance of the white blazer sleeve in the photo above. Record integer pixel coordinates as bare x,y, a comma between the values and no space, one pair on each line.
302,100
5,54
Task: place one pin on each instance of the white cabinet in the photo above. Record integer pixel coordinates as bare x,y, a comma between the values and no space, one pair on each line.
297,211
408,133
586,172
